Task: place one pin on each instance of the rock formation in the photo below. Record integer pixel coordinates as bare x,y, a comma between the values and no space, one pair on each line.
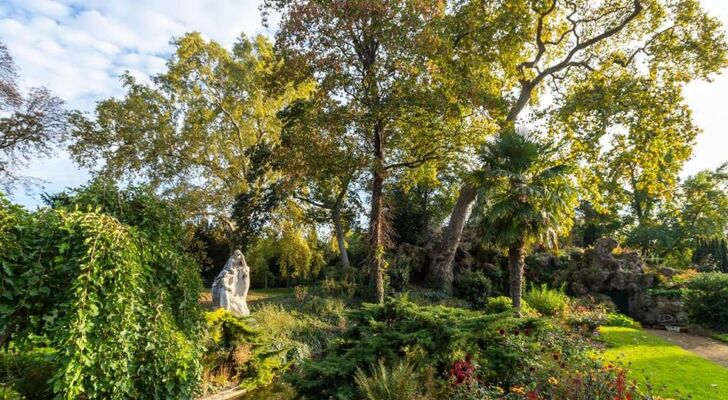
230,288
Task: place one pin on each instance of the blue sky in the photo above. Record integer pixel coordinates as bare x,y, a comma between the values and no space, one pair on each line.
78,49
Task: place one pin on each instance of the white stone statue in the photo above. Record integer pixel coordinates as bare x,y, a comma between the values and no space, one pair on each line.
230,288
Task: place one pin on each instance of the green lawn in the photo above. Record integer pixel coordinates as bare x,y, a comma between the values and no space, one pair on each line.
671,370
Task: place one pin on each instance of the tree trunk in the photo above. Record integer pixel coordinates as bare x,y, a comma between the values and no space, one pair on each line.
376,236
441,271
516,261
340,236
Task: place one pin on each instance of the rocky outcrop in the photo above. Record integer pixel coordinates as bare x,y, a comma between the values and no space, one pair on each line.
601,270
661,310
230,288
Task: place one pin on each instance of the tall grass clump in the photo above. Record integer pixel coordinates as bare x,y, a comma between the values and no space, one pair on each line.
547,301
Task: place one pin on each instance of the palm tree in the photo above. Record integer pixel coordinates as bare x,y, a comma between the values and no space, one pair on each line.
526,195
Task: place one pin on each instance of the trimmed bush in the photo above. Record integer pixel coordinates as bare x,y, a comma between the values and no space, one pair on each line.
621,320
706,299
474,287
502,304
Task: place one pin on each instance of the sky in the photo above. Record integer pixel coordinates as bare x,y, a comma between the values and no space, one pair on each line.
78,50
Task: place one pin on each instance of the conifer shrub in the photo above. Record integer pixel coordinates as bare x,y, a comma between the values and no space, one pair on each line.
436,334
237,343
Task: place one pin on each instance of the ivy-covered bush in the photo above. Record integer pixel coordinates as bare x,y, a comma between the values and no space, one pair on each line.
102,277
430,335
706,298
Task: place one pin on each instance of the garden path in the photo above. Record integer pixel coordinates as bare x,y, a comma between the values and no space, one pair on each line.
702,346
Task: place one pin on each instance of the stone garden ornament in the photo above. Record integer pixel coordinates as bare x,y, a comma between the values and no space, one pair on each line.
230,288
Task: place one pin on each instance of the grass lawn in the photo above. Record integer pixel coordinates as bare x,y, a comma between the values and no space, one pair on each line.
671,370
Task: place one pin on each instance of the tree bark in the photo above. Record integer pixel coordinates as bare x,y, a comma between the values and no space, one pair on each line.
516,261
441,271
376,236
340,240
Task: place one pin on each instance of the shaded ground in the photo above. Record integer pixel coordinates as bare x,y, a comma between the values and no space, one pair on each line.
704,347
667,368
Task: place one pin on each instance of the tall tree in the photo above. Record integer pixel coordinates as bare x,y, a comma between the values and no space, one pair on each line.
322,161
649,135
555,44
369,56
203,131
525,195
33,123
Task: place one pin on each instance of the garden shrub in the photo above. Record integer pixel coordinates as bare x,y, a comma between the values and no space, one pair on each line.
548,302
473,286
501,304
248,351
617,319
110,287
706,298
388,332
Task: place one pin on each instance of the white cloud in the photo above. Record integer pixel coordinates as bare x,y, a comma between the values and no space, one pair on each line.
78,49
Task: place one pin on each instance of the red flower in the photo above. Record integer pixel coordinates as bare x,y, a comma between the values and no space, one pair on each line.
502,331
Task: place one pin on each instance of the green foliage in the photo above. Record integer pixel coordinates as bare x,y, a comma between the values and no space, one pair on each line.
547,301
300,256
621,320
110,288
502,304
229,339
205,131
711,253
388,332
497,305
8,393
527,194
473,286
706,298
29,371
383,383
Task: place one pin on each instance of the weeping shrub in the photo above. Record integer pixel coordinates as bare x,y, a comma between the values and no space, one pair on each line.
103,278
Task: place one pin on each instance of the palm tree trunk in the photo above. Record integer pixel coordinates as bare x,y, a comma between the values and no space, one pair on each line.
441,269
516,262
